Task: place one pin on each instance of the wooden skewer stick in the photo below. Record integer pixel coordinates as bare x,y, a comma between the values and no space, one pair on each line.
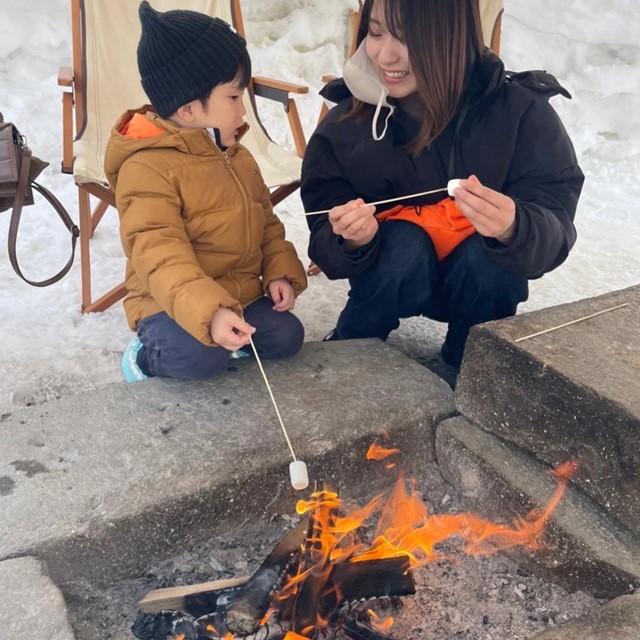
273,400
566,324
413,195
298,473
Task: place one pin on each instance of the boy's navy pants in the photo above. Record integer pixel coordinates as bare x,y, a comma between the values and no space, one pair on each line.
168,351
407,280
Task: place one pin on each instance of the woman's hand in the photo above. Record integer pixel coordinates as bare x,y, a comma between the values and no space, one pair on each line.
281,292
355,222
492,213
229,330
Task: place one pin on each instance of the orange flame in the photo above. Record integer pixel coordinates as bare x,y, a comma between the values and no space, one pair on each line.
380,625
404,528
267,616
379,453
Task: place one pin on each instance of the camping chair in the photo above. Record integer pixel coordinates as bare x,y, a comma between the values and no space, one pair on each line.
104,82
491,17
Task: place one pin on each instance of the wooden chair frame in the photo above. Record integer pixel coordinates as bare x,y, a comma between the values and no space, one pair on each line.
72,80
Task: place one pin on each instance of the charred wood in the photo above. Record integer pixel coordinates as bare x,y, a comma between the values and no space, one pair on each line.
320,596
166,624
169,625
355,630
212,602
373,578
314,602
271,630
247,608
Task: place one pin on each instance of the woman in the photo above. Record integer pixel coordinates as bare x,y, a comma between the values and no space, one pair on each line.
423,102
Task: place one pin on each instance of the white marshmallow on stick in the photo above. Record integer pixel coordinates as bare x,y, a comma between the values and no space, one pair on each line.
297,469
298,474
452,185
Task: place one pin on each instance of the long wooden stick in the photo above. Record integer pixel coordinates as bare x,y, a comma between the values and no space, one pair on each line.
566,324
273,400
413,195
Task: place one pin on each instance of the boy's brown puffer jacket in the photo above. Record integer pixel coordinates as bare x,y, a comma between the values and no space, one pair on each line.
196,223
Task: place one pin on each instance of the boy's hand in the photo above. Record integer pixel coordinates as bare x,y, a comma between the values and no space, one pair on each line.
355,222
229,330
281,292
492,213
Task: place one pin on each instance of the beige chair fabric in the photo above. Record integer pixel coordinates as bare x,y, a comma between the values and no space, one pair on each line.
111,34
489,12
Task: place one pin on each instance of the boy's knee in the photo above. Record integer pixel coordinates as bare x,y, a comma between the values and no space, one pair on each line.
291,336
285,339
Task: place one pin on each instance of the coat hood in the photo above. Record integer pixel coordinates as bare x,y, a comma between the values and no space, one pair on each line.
140,129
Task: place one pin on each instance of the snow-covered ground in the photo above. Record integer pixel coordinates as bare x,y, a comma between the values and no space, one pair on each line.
48,349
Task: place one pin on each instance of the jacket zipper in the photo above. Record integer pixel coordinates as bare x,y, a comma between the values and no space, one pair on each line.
245,200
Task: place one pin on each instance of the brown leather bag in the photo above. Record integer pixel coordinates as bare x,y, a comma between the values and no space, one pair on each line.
18,172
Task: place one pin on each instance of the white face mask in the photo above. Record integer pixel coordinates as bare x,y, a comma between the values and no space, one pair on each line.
361,78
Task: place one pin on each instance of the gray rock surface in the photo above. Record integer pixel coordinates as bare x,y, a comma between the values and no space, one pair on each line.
617,620
571,393
31,606
585,547
96,484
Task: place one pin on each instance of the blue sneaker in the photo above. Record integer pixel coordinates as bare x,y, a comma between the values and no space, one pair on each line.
130,368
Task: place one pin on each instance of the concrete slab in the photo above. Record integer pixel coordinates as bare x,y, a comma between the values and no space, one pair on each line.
617,620
571,393
98,484
585,547
31,607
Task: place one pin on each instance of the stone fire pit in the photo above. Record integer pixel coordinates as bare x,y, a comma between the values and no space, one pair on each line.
106,495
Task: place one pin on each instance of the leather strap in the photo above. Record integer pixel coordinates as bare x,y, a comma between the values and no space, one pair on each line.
23,182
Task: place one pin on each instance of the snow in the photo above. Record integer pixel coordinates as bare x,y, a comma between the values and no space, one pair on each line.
48,348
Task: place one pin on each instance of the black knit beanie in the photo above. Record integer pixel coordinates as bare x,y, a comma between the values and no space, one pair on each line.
184,54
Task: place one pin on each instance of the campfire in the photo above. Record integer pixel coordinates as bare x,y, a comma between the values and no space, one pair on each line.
328,576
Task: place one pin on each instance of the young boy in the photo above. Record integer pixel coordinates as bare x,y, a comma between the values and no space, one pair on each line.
208,266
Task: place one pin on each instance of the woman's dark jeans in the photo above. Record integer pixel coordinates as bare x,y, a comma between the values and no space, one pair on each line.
407,280
168,351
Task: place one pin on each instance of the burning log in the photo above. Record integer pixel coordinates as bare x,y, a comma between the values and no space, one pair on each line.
374,578
248,607
326,584
314,600
350,582
344,556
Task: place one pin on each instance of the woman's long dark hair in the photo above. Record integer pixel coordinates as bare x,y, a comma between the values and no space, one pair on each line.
444,40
